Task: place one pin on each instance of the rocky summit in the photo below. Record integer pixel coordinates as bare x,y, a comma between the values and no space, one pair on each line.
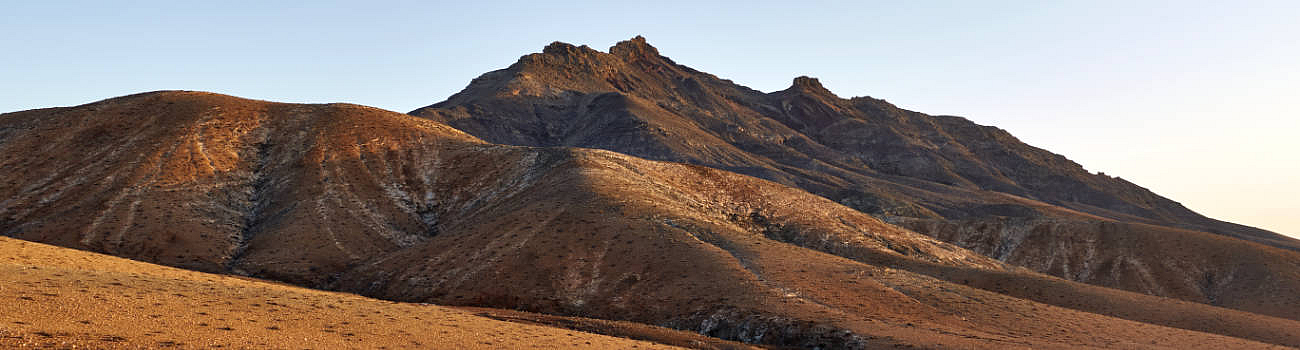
621,194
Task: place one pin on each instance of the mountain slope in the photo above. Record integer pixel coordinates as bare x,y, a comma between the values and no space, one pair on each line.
362,200
634,98
926,172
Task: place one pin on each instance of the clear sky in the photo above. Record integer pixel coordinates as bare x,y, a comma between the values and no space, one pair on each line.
1198,101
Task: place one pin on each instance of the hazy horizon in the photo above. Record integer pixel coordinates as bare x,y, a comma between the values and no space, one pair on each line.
1191,100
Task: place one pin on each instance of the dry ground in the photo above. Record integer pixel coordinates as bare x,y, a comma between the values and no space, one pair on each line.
54,297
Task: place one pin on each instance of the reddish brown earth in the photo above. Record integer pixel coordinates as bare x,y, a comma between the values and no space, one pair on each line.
971,185
357,199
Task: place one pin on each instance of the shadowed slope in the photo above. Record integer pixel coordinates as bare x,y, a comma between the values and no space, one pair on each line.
930,172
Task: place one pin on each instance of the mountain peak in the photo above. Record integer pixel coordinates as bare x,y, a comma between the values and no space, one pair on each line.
636,47
564,49
808,84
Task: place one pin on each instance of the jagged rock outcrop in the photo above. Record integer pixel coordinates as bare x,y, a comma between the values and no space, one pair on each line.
861,152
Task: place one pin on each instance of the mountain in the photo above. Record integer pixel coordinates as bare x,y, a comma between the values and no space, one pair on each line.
356,199
971,185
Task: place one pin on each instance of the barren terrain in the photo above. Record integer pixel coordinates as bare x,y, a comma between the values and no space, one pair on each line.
361,200
63,298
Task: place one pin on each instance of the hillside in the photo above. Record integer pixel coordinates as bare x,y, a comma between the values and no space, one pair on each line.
356,199
63,298
932,174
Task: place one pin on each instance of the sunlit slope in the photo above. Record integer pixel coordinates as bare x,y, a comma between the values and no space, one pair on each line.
60,298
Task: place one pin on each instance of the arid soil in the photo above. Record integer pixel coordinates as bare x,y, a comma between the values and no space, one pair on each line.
621,329
355,199
63,298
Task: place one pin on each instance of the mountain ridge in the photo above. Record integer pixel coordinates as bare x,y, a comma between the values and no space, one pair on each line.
573,69
920,171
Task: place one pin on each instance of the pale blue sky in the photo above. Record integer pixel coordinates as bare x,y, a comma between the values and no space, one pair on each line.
1196,100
